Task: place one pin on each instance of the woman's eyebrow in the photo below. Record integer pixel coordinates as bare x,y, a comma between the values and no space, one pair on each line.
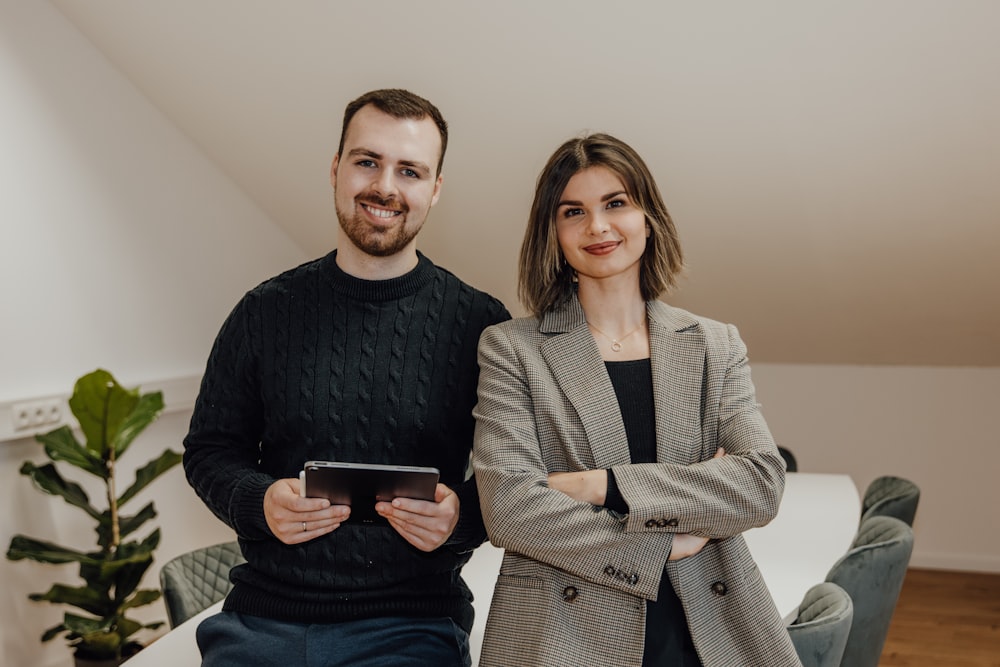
607,197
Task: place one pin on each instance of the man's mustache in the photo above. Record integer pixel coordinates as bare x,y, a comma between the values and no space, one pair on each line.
388,202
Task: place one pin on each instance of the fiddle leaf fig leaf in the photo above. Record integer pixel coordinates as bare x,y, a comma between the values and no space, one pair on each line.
48,480
83,597
142,598
54,632
144,412
62,445
101,405
149,472
45,552
127,524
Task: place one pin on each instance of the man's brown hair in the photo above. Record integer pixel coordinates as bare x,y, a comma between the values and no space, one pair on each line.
397,103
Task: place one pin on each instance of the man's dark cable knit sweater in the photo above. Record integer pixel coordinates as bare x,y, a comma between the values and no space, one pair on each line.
317,364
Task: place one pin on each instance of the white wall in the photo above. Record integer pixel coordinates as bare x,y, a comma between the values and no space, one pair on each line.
935,426
121,247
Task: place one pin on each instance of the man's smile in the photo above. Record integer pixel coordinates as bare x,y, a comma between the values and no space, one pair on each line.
379,212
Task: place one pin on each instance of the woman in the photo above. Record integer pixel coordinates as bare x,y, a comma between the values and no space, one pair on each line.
619,451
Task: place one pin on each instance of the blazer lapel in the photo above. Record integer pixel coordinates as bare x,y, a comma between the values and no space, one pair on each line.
677,345
577,367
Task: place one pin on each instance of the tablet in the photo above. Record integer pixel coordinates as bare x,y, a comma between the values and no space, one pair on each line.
361,485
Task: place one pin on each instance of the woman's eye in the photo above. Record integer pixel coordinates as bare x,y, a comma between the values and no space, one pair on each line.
616,203
570,212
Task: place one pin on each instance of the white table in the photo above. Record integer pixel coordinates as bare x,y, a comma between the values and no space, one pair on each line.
816,523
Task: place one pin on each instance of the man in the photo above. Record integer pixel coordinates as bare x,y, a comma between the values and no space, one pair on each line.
365,355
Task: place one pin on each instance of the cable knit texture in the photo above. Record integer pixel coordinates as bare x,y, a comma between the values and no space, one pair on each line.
317,364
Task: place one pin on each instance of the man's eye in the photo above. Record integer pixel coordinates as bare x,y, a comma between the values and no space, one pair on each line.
409,173
366,163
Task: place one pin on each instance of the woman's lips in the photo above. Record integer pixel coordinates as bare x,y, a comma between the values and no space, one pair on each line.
601,248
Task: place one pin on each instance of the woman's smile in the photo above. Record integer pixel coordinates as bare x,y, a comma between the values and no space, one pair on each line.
602,248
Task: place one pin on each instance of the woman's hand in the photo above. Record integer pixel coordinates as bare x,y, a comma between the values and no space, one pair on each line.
591,486
586,486
687,545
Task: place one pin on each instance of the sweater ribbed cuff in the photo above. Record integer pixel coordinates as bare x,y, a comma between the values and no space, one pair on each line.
246,507
470,532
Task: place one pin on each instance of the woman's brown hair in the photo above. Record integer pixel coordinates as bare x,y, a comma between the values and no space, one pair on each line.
545,280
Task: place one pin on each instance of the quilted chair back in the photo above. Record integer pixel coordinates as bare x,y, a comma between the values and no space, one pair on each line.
820,629
198,579
891,496
872,573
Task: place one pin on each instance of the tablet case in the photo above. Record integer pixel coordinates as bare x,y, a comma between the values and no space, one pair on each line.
361,485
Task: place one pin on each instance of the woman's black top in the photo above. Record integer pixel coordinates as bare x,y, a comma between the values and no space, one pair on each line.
668,640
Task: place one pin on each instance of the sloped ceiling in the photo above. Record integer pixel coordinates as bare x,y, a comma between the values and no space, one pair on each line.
832,167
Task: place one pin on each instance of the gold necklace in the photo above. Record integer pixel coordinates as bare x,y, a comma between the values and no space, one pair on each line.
616,343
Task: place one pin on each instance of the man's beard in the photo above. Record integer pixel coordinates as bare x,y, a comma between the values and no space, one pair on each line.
375,241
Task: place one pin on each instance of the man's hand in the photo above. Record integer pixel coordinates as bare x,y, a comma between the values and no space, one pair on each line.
424,524
294,519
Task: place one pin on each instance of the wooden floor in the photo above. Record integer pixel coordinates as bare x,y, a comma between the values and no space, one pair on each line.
945,618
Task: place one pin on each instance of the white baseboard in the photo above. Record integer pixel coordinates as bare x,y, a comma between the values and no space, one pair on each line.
961,562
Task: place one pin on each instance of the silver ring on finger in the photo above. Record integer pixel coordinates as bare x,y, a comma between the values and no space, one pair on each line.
303,526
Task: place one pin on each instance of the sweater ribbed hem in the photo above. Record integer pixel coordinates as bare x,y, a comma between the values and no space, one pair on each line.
245,599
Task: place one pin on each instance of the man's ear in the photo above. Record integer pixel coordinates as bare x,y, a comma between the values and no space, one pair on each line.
333,170
437,189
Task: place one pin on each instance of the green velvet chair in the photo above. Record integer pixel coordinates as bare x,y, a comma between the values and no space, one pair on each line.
196,580
891,496
872,573
822,624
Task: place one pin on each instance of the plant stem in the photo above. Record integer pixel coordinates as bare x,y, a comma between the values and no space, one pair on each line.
113,504
109,449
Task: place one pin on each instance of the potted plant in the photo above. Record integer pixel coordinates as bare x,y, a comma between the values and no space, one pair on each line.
110,418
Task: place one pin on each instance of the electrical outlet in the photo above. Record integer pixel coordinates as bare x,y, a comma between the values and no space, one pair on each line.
31,415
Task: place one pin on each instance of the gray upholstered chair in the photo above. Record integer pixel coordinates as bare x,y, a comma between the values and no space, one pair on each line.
198,579
891,496
872,573
819,631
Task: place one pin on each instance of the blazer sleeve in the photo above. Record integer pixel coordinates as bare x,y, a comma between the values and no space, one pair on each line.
716,498
521,513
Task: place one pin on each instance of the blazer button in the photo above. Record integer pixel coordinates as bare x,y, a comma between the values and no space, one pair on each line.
634,579
570,593
662,523
673,523
719,588
652,523
610,570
